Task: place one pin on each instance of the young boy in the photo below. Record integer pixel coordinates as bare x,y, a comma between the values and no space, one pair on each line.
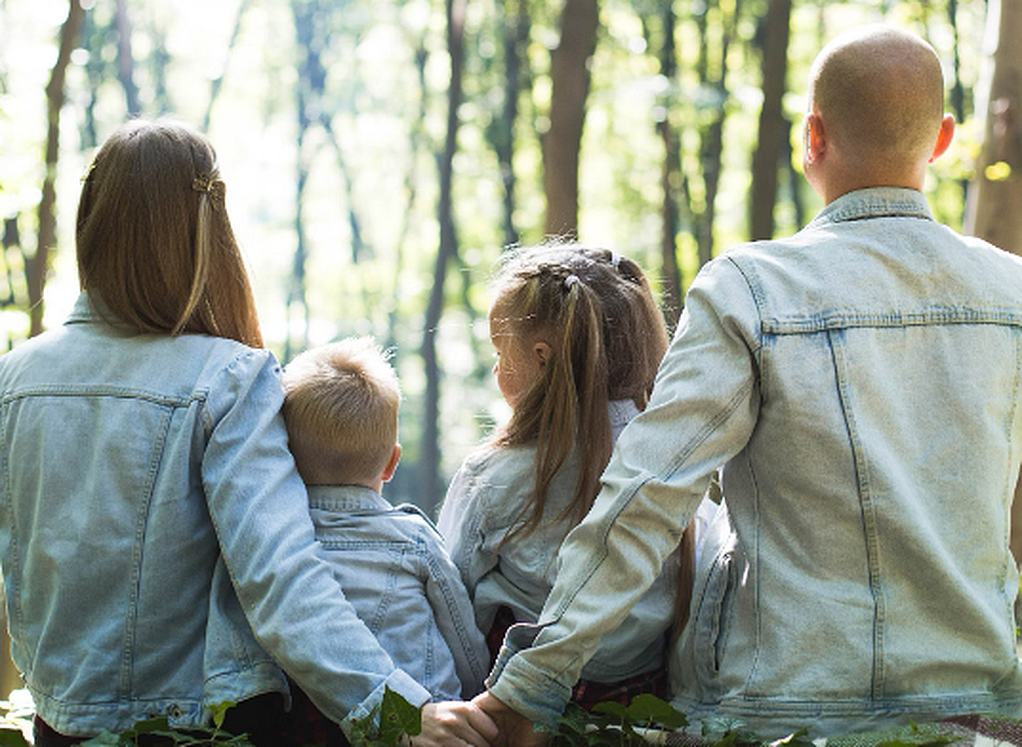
341,409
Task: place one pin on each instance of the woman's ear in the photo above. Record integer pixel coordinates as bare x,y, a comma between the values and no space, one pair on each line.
542,352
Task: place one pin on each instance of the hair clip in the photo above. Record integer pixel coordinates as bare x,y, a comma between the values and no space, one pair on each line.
570,281
211,184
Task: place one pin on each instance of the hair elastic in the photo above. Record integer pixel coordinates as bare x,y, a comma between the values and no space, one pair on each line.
615,259
571,280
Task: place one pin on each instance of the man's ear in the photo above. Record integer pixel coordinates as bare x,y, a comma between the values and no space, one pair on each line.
542,352
815,137
947,133
395,457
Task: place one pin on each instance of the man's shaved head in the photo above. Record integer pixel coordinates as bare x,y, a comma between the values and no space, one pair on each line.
880,94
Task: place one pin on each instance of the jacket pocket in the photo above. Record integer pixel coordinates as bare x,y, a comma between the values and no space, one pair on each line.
712,621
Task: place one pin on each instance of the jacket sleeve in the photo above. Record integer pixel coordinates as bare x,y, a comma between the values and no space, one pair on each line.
702,412
452,610
259,509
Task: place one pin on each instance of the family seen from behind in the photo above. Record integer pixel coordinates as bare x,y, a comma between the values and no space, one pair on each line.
184,524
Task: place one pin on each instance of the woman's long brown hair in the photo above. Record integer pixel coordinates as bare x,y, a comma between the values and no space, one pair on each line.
154,240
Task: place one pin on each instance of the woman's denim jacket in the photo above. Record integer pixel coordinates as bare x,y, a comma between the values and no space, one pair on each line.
485,501
861,381
395,571
155,536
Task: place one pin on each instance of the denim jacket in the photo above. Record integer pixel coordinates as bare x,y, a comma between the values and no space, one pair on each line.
484,502
394,569
861,383
155,539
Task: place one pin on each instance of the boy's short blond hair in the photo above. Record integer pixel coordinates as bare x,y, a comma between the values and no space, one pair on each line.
341,408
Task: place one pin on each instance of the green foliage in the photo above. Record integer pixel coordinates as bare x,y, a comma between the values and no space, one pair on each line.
613,724
387,723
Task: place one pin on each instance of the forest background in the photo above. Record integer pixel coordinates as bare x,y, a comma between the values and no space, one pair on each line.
380,155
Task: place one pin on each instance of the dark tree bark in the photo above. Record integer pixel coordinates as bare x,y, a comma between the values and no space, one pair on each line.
125,60
447,251
773,126
37,266
569,71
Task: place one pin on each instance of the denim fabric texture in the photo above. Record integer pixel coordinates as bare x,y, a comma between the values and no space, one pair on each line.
395,571
155,536
485,500
860,382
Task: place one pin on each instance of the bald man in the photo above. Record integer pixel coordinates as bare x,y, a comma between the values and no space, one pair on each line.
861,384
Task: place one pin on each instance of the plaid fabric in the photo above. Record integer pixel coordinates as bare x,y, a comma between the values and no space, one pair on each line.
588,693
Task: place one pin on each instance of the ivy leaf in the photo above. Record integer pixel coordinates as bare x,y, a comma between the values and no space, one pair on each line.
612,708
398,717
653,711
219,712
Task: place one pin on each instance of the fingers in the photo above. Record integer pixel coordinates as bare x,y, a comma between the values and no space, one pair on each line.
455,724
515,729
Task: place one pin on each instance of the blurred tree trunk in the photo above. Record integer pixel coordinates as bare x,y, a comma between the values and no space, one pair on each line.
125,60
659,24
311,83
773,126
569,73
957,93
996,193
447,251
711,146
514,26
417,143
37,266
217,82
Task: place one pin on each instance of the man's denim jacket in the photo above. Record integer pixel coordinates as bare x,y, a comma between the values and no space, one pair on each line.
395,571
861,382
152,521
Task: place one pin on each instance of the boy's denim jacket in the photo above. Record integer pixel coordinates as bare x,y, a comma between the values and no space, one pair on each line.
152,520
485,500
861,381
395,571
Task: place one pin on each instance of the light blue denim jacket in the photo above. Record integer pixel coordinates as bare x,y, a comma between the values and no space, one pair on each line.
395,571
152,521
485,500
861,383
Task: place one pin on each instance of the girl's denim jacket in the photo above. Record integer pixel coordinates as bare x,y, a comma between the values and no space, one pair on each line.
861,383
395,571
155,536
485,501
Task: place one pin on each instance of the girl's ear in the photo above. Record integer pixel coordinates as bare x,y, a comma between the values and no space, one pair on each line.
542,352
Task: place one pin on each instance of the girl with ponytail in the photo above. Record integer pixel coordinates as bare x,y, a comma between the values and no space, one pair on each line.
578,338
